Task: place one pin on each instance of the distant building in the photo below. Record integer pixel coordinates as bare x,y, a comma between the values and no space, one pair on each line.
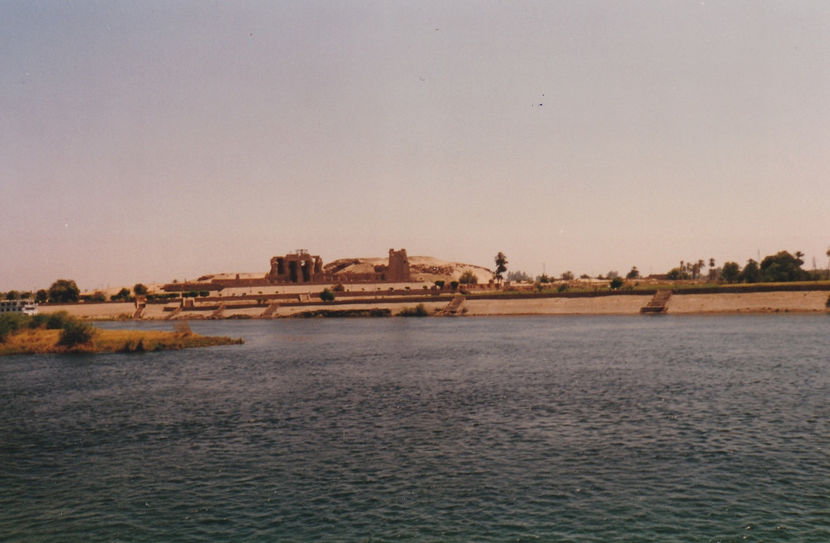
398,269
299,267
27,307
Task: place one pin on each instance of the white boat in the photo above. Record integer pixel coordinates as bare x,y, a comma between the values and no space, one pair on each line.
27,307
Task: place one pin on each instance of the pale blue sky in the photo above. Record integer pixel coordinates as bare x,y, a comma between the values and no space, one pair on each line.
147,141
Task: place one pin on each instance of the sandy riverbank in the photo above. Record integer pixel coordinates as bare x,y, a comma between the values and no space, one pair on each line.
755,302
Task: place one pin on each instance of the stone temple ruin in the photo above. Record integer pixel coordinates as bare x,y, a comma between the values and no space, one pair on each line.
301,267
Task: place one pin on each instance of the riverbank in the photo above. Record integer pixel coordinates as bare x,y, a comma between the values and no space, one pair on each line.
616,304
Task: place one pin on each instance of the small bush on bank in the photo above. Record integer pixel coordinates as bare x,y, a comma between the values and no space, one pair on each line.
343,313
10,323
56,321
122,295
468,278
417,311
75,333
38,321
132,346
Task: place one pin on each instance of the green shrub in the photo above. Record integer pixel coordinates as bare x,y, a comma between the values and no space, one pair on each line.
76,332
38,321
616,283
132,346
10,323
562,288
468,278
123,294
57,320
327,295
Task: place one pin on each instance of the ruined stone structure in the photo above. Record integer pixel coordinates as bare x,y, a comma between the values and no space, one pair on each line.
299,267
398,269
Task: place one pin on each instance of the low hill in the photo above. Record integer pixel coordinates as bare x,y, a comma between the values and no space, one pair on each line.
422,268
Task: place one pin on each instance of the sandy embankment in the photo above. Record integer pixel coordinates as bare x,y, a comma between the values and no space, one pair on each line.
750,302
755,302
601,305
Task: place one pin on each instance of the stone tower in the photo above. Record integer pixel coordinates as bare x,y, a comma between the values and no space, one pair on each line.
398,270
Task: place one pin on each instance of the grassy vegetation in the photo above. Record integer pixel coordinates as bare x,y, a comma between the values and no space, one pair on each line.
40,334
418,311
341,313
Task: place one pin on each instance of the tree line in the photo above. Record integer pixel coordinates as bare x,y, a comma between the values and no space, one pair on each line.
780,267
66,291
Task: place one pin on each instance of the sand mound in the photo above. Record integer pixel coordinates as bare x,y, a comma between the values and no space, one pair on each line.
422,268
427,268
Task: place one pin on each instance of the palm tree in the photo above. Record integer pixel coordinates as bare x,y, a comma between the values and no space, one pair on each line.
501,266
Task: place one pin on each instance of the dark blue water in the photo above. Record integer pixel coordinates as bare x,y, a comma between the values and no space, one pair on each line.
515,429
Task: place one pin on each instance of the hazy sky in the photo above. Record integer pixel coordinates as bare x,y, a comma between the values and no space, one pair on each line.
147,141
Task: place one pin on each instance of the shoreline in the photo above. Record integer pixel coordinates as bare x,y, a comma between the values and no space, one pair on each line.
770,302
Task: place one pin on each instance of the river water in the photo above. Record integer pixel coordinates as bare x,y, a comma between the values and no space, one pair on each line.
471,429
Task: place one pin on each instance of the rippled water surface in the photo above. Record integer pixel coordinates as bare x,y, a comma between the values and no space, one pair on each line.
515,429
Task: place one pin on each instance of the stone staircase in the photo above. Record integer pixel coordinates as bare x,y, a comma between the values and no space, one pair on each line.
658,302
175,312
454,306
140,304
217,313
270,312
